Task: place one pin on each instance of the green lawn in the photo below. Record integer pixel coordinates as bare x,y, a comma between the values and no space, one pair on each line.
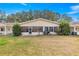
39,45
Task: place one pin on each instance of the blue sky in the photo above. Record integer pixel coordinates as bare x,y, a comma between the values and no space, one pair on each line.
71,9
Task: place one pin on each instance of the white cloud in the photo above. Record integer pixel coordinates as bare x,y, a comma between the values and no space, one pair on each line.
73,12
75,9
75,19
24,4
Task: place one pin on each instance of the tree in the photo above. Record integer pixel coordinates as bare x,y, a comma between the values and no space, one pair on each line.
36,14
64,27
66,17
11,18
3,16
16,30
23,16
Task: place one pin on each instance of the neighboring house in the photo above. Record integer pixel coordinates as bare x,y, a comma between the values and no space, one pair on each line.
74,26
36,27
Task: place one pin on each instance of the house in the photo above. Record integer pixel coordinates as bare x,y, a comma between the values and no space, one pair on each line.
74,27
37,27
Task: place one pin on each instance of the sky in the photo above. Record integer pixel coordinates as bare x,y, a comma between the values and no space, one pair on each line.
71,9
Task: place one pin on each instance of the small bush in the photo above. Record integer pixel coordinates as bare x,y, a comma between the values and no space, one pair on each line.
64,28
16,30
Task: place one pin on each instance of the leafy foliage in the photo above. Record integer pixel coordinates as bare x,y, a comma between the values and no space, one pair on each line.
16,30
3,16
23,16
34,14
64,27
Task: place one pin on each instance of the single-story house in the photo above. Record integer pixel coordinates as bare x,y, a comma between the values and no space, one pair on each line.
36,27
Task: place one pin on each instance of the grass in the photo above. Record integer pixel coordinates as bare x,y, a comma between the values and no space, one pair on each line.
3,42
39,45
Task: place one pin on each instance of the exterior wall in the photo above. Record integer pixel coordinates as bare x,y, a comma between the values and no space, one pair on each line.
2,33
35,33
6,31
54,33
9,30
77,33
77,29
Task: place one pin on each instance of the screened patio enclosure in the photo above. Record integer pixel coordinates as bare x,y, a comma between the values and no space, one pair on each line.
38,30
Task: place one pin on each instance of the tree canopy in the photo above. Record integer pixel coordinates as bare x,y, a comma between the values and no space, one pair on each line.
23,16
64,27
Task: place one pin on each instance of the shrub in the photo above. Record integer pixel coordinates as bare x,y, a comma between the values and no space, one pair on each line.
16,30
64,28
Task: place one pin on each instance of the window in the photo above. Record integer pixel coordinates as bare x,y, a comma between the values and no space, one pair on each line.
37,29
34,29
46,28
24,29
2,29
55,29
41,29
51,29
